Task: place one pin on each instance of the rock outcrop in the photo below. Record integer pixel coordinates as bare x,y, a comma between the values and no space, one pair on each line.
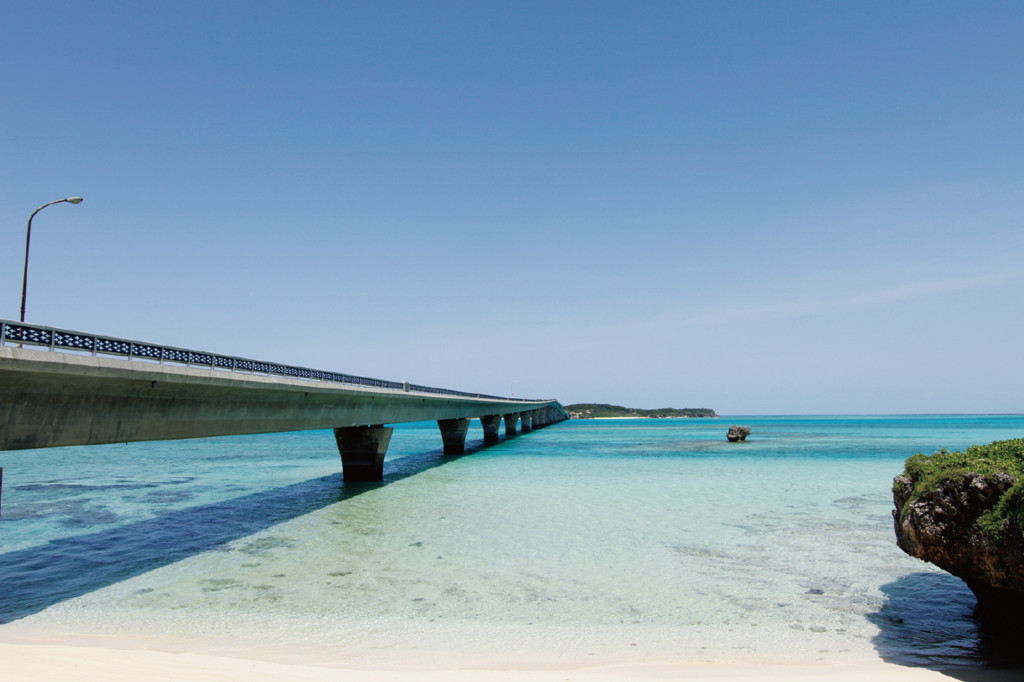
966,523
737,433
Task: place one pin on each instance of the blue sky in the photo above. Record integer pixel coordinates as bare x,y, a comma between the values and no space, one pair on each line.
788,207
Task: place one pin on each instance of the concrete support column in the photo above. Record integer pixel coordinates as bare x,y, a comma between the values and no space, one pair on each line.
526,421
510,424
362,451
453,433
491,424
541,418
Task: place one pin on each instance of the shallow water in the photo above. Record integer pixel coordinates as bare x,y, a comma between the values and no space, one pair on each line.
583,541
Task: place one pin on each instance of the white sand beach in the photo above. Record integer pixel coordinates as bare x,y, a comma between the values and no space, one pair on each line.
38,662
66,657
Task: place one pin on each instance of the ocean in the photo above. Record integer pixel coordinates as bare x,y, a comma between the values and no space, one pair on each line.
580,543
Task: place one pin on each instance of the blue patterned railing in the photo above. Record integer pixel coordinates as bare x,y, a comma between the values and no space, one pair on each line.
63,340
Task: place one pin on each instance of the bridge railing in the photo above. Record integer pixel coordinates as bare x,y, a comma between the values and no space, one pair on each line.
71,341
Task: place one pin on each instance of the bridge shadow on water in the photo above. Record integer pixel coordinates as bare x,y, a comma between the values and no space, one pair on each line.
929,621
36,578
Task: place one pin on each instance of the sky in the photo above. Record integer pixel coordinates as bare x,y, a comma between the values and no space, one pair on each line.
757,207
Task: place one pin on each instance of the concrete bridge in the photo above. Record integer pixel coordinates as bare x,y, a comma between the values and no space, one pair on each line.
60,387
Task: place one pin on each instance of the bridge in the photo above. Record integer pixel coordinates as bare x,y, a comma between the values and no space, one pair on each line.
60,387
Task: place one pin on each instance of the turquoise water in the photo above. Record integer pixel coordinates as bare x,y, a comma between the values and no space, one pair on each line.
582,542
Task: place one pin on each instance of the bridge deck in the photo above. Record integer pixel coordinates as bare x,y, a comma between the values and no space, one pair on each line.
51,399
107,390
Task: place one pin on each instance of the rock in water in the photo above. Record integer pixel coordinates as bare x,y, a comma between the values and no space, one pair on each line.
962,512
738,433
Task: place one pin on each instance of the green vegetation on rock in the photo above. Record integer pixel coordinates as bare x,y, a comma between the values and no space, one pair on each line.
602,410
1001,458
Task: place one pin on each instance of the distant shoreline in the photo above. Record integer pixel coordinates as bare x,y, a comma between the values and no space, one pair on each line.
607,411
643,417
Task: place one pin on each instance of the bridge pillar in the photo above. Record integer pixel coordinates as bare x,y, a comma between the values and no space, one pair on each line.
491,424
526,423
362,451
540,418
510,424
453,433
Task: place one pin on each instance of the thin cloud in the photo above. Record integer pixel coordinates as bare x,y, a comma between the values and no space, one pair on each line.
927,288
781,309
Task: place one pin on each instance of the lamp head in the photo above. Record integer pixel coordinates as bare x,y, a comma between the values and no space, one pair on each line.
74,200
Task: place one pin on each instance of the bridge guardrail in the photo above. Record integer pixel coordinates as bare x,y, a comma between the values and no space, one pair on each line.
64,340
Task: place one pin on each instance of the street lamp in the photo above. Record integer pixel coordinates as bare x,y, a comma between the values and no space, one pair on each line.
28,240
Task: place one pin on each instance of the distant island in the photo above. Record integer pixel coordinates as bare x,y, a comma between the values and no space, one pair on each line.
603,411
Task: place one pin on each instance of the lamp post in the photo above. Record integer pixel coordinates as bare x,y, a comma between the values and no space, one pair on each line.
28,240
